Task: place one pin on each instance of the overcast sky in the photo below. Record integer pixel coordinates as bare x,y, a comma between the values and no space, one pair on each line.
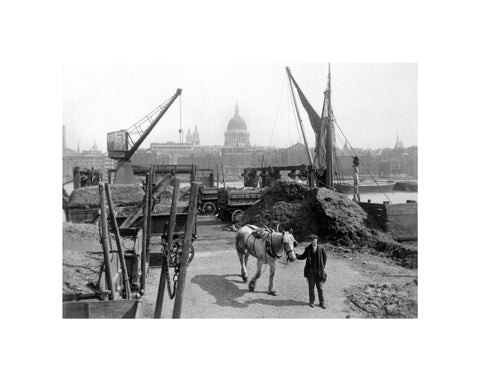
372,102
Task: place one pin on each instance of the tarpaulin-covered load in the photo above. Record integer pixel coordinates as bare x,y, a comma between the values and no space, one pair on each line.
122,194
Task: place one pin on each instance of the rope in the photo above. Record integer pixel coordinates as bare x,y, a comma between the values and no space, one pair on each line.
339,168
363,166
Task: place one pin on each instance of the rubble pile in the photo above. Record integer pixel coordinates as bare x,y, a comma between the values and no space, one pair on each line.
81,231
122,194
167,193
385,301
81,270
329,214
342,219
332,216
272,214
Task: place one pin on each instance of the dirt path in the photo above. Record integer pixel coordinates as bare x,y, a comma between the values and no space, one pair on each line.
214,288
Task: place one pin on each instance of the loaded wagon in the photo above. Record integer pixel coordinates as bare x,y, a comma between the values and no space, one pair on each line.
208,200
232,202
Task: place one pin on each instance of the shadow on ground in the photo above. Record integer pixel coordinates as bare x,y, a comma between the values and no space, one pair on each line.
225,291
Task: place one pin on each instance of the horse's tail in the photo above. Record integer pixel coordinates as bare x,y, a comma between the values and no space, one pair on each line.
240,250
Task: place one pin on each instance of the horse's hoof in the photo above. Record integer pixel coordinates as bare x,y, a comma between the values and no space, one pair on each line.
245,279
251,287
273,292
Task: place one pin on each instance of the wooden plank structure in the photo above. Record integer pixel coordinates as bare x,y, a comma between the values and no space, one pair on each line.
187,242
139,210
400,220
118,309
164,273
124,274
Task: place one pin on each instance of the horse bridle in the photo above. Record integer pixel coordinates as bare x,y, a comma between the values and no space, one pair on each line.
287,251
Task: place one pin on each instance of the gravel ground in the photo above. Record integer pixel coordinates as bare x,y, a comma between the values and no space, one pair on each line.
214,288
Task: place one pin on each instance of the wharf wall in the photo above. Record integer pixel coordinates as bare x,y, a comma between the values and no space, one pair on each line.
400,220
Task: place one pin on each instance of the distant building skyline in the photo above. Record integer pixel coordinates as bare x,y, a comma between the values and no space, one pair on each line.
372,101
397,142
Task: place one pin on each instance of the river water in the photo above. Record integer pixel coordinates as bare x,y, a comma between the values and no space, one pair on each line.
375,197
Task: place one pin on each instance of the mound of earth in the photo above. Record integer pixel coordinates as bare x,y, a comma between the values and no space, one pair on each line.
122,194
167,193
385,301
331,215
306,210
78,232
81,269
404,255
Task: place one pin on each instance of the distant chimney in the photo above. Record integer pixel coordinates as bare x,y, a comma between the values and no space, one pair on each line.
64,143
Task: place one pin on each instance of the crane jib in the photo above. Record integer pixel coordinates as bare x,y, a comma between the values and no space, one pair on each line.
118,141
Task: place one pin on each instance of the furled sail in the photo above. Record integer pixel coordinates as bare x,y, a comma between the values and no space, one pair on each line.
318,125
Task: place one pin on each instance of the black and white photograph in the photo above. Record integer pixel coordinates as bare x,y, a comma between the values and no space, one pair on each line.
248,191
260,189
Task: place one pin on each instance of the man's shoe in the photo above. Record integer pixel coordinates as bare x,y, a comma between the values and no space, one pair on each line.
321,305
311,305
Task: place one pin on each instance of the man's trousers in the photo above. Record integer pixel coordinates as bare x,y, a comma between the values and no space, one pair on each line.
312,282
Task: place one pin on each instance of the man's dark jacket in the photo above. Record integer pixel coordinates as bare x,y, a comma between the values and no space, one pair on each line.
313,265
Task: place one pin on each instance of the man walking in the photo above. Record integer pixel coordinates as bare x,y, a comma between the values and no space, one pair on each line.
314,269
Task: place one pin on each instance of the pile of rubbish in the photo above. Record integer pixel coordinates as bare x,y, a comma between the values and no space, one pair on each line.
403,255
167,193
122,194
332,216
81,270
385,301
329,214
78,232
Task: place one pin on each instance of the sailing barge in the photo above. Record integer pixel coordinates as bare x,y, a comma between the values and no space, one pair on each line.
398,219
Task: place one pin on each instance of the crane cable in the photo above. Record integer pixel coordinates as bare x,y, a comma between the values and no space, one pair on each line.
180,121
274,122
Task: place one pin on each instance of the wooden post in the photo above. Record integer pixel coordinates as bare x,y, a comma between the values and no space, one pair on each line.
143,257
139,210
187,242
106,248
121,254
149,215
223,175
171,230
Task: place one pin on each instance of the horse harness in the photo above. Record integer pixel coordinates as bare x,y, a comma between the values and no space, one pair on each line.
260,234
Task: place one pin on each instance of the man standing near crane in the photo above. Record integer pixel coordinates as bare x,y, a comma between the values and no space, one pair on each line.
356,193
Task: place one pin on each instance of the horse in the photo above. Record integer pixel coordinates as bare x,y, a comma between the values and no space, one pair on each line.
267,246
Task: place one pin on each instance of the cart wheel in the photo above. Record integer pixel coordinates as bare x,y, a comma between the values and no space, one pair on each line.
177,250
237,216
209,208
